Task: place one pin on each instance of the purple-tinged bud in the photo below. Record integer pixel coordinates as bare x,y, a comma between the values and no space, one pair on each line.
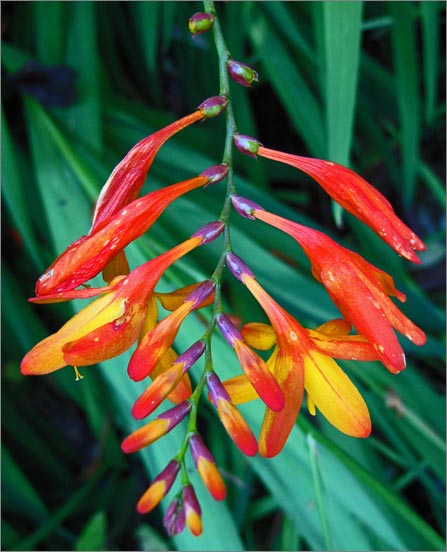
209,232
216,173
216,389
200,22
201,293
228,329
245,207
206,466
246,144
199,449
193,512
174,518
191,355
159,488
175,415
212,107
241,73
237,266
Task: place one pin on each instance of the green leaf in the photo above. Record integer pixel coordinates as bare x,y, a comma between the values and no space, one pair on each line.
405,60
94,534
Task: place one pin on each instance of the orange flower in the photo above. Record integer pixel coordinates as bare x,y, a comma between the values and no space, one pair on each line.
87,256
297,364
359,289
351,191
109,325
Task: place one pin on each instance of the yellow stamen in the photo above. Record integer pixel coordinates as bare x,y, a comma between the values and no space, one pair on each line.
78,374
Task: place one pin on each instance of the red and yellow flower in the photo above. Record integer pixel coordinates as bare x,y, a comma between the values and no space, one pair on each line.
350,191
298,364
359,289
111,323
87,256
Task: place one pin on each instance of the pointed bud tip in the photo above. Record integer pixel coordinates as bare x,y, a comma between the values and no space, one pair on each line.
228,329
209,232
216,173
200,22
241,73
246,144
212,107
237,266
245,207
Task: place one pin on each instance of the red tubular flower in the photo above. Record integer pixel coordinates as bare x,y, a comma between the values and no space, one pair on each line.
155,344
159,488
252,365
237,428
193,512
146,435
352,192
359,289
163,384
109,325
297,364
206,466
127,178
86,257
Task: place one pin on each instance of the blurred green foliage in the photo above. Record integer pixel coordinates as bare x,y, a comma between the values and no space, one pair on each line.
360,83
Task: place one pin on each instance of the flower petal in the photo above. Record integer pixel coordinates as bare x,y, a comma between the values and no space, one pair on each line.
276,426
334,394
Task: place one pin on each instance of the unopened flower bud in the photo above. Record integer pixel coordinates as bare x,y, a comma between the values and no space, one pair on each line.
216,173
246,144
174,518
206,466
245,207
193,511
191,355
201,293
212,107
152,431
200,22
241,73
159,488
216,389
237,266
209,232
228,329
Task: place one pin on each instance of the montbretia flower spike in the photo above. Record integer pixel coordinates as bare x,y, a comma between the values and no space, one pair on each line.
349,190
282,363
